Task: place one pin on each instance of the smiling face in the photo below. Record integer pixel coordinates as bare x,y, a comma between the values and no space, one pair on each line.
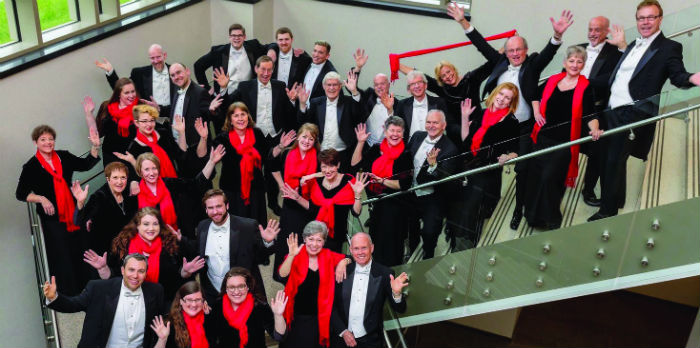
127,95
179,75
330,172
145,123
239,119
417,86
217,209
157,57
361,249
236,289
192,304
148,228
648,20
45,143
284,41
264,71
149,172
573,65
236,37
314,244
393,134
117,181
134,273
448,76
332,88
320,54
434,124
598,29
381,85
503,99
306,141
516,51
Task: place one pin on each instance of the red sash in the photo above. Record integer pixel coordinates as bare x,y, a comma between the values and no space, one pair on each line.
237,319
162,199
64,199
250,159
384,165
326,213
167,170
195,327
295,168
123,117
489,119
138,245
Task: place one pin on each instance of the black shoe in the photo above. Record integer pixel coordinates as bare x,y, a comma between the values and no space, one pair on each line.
515,221
598,216
590,199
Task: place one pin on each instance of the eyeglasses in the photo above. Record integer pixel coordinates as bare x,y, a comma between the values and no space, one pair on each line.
193,300
146,121
647,18
239,288
237,36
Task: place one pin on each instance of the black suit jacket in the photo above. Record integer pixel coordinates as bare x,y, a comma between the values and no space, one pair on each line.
404,109
218,57
297,69
283,112
246,249
196,104
143,80
447,163
662,60
99,301
349,117
378,292
317,90
600,73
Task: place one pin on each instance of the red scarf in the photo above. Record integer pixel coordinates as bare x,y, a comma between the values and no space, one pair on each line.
383,166
489,119
195,327
295,167
162,198
64,198
327,261
138,245
167,170
576,115
238,318
123,117
346,196
250,159
395,57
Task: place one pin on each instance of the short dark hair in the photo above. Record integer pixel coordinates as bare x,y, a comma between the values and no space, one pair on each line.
41,129
213,193
263,59
329,157
324,44
394,121
137,257
646,3
284,30
116,165
236,26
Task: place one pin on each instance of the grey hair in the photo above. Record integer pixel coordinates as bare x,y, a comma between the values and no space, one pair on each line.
576,51
315,227
513,37
439,112
362,234
396,121
331,75
137,257
414,73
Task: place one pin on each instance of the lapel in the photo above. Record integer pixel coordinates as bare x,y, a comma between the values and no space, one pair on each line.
253,94
375,280
497,71
420,136
151,308
148,86
339,112
292,70
234,240
203,238
276,93
322,115
319,79
651,51
251,56
409,113
523,67
111,302
347,288
600,60
224,57
619,62
186,101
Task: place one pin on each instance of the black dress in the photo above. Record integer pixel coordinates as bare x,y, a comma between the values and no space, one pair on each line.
230,180
167,142
387,223
303,331
113,141
108,217
340,230
483,190
64,249
261,319
547,173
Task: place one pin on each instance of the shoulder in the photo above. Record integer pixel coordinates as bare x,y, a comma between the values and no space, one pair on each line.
278,84
243,222
219,48
379,269
318,100
329,66
140,70
258,133
152,289
204,224
31,162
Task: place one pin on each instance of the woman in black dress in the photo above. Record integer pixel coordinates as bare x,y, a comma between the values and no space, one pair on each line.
488,139
288,166
240,319
567,102
389,167
332,197
188,325
45,180
241,168
115,118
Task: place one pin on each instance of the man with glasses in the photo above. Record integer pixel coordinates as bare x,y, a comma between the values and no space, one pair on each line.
414,109
635,84
118,311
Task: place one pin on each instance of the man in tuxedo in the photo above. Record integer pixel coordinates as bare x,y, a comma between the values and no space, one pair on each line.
602,58
191,101
118,311
236,58
335,115
151,81
372,107
227,241
358,304
635,84
317,70
290,64
433,159
414,109
523,70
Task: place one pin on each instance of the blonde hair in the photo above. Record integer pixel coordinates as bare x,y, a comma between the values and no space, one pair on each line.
439,66
145,109
513,102
144,157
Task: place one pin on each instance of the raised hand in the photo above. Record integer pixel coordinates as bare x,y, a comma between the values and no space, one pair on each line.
432,156
175,232
361,133
189,268
104,65
287,138
617,37
298,52
398,283
79,193
292,92
563,23
279,303
467,109
351,82
303,94
134,188
125,157
88,104
269,233
151,102
455,11
201,128
50,289
94,137
160,327
361,180
215,103
292,243
179,124
272,54
388,101
360,58
93,259
221,77
217,153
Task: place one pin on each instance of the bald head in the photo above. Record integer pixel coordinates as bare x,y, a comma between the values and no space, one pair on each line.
361,248
516,50
157,57
381,84
598,29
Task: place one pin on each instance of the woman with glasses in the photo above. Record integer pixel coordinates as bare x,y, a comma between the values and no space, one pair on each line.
240,319
188,325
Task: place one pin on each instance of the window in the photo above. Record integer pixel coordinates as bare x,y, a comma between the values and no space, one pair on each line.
54,13
8,27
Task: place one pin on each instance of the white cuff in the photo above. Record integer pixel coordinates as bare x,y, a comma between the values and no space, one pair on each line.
109,73
555,41
356,97
396,300
468,31
268,244
432,168
48,302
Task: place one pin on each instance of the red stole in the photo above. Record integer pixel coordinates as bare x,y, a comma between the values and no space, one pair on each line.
383,166
489,119
64,199
123,117
295,168
162,199
327,261
167,170
250,159
138,245
238,318
576,115
195,327
326,213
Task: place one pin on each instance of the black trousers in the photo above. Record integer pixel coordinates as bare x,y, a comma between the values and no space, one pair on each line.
432,214
521,170
592,174
272,190
614,160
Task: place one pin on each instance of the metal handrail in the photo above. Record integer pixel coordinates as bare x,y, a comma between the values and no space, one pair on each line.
534,154
42,275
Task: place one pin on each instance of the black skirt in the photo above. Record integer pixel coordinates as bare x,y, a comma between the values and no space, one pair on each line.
546,185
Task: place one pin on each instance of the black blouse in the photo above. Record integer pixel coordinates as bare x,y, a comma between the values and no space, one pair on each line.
113,142
107,216
341,211
558,126
501,138
401,170
468,87
261,319
35,179
167,142
306,300
230,165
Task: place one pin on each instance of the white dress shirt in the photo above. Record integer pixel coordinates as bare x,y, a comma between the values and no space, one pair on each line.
375,123
129,320
180,107
358,299
161,87
420,112
592,53
284,65
218,252
620,91
419,160
239,68
264,110
312,75
331,137
512,75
